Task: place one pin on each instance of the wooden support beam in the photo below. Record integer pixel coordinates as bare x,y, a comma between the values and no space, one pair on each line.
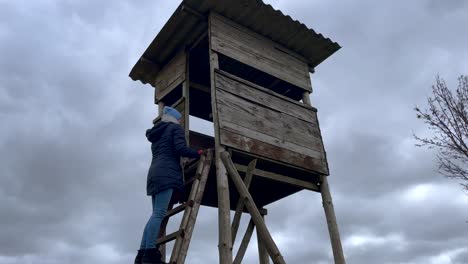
262,230
329,210
262,253
186,95
240,204
331,222
281,178
306,98
197,41
193,12
245,243
222,184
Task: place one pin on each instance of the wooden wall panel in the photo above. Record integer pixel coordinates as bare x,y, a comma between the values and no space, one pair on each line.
248,47
171,75
255,121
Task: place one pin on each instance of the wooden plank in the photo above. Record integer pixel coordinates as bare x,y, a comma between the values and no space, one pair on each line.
253,210
265,97
248,47
258,87
245,243
240,204
171,75
273,152
271,140
235,110
281,178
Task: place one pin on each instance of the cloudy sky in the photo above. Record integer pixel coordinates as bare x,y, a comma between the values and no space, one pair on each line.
74,156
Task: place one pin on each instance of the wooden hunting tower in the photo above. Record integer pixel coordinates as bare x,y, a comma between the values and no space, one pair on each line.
245,67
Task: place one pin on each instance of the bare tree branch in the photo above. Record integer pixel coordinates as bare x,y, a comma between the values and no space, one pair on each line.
447,117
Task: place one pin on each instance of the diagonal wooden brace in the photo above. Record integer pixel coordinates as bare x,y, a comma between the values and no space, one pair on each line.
240,203
252,208
245,243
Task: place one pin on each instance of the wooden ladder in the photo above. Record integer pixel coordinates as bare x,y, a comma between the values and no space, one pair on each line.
190,208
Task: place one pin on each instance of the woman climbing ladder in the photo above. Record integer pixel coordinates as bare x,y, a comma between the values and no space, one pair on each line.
164,180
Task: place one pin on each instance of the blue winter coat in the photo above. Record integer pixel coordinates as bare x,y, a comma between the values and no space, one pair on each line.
167,145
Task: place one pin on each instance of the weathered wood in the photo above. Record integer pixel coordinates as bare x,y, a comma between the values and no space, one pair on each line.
306,98
262,253
273,152
171,75
240,204
238,111
160,108
265,97
222,185
253,210
248,47
281,178
194,212
186,95
331,222
245,243
235,128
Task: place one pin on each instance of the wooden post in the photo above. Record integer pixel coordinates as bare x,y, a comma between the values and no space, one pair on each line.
329,210
186,95
262,230
262,253
331,222
160,108
224,208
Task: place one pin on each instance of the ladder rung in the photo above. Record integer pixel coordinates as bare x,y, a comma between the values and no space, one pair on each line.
170,237
191,180
179,208
192,167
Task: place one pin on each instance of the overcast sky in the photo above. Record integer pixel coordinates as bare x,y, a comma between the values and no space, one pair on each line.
74,157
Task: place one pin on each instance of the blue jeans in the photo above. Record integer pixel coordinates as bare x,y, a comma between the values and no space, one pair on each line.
160,203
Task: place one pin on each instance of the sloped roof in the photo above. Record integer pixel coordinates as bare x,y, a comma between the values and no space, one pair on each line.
262,18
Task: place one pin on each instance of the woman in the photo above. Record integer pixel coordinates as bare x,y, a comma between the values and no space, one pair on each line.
164,177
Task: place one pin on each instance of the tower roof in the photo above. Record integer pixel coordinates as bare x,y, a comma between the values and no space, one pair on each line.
183,27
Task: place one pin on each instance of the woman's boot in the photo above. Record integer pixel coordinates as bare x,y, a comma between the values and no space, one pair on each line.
152,256
139,256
